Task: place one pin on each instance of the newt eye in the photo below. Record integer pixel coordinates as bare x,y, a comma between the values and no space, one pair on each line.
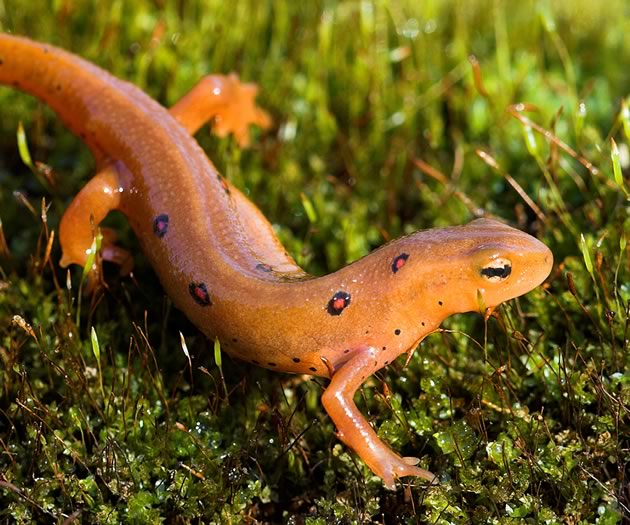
497,270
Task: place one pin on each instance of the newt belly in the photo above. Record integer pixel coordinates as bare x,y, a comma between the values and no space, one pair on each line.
219,260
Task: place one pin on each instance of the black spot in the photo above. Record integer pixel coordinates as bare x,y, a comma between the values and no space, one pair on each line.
346,351
199,292
255,362
1,61
440,303
313,369
422,323
338,303
386,363
399,261
397,331
384,348
263,267
270,363
296,359
160,225
234,340
502,273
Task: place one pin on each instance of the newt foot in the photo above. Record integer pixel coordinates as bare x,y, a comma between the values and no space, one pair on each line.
397,467
240,112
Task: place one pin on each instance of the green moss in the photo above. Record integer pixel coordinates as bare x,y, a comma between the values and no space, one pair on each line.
524,418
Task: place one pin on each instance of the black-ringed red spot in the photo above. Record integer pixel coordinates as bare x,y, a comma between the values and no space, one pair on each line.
160,225
264,267
338,303
399,261
224,184
199,292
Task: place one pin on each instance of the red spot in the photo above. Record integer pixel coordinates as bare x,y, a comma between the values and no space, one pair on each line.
160,225
338,303
224,184
399,261
199,292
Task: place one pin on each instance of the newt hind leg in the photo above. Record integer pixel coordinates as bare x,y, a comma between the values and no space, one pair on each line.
225,99
89,207
232,106
356,432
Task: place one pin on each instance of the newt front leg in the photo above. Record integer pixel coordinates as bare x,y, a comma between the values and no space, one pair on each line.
355,431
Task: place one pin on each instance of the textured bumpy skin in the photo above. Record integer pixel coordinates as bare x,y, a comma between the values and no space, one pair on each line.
219,260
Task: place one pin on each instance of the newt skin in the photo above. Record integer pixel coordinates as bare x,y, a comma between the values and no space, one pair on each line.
219,260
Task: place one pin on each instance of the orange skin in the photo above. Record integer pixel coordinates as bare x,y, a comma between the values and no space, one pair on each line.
219,260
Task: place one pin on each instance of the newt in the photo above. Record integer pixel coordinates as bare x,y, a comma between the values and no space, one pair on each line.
217,256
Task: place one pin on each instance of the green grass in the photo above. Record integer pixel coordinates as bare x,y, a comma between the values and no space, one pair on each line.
103,419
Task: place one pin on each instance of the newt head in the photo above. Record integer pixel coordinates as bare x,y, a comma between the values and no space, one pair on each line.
504,263
470,268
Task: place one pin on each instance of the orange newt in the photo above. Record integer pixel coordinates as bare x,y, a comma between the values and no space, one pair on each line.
219,260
